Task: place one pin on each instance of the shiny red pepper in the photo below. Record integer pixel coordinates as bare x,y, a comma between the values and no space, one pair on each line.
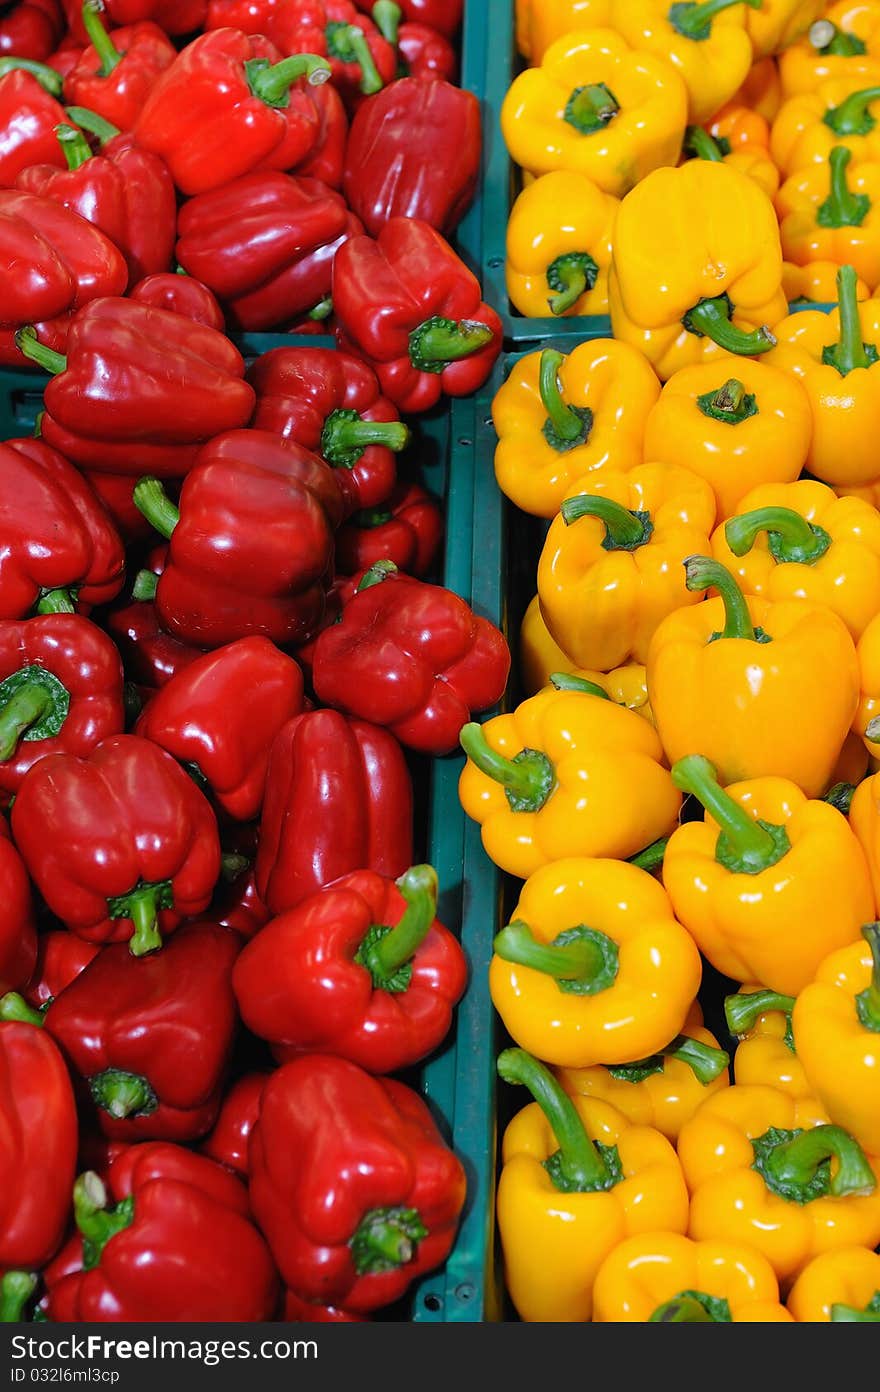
411,657
106,415
414,151
59,545
251,543
230,104
116,73
60,691
265,245
61,957
330,403
174,16
299,1311
229,1140
407,530
151,656
351,1183
362,969
442,15
338,799
237,905
219,716
326,160
115,493
65,58
181,294
134,847
413,310
29,113
176,1245
30,29
18,934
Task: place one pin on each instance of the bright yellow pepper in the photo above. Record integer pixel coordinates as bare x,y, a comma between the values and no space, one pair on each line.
596,107
835,357
592,967
774,24
769,882
612,564
539,23
844,45
559,246
762,91
737,124
829,214
809,126
664,1278
868,653
752,160
540,658
841,1287
560,417
817,281
765,1055
564,1202
735,422
800,541
566,774
746,683
759,1175
850,769
864,818
696,266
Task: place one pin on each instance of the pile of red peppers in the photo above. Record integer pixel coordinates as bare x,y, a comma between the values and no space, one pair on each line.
224,653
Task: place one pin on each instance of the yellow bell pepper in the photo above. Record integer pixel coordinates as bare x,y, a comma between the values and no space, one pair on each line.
850,769
539,23
765,1054
864,818
735,422
762,91
836,1020
596,107
559,246
540,659
696,266
769,883
758,1175
830,214
752,160
835,357
736,124
868,713
612,564
566,774
841,1287
746,683
774,24
664,1278
560,417
843,45
800,541
809,126
616,991
817,281
576,1179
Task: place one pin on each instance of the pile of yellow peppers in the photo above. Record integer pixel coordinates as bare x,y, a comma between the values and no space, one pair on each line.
692,778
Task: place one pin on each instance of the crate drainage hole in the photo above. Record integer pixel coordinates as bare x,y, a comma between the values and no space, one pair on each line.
465,440
464,1292
433,1303
496,261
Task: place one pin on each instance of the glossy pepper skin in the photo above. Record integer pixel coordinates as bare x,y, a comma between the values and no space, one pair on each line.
363,970
774,25
239,906
576,1179
351,1183
61,546
115,74
846,45
188,388
425,54
611,566
411,657
592,967
817,282
31,29
181,294
680,310
29,113
743,682
598,107
665,1278
228,1142
61,957
540,22
60,691
413,311
831,212
559,246
151,656
868,653
338,799
864,818
162,1207
414,151
174,16
18,933
541,659
752,160
136,846
839,1287
442,15
767,872
566,774
407,530
251,543
807,127
559,417
230,104
765,1053
758,1175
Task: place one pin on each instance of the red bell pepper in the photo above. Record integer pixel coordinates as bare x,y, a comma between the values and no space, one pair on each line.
181,294
30,29
421,52
104,415
338,799
29,113
407,530
265,245
126,192
18,934
411,657
174,16
412,127
238,905
408,305
38,1157
228,1142
61,262
230,104
351,1183
330,403
116,73
251,543
442,15
60,958
219,716
150,656
60,691
326,160
299,1311
177,1245
65,58
58,542
362,969
134,847
115,492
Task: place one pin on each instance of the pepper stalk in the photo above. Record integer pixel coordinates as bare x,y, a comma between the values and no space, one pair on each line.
528,779
744,846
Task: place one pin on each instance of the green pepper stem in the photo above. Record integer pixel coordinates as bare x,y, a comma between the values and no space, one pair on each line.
730,403
711,319
852,116
233,864
377,572
142,906
146,583
847,1314
347,43
705,1062
100,40
272,82
31,703
652,857
796,541
50,80
56,602
341,434
74,146
580,1164
437,342
703,145
29,345
795,1162
624,530
93,123
682,1309
16,1289
703,573
591,107
385,1239
150,498
576,961
322,310
694,21
96,1222
392,951
122,1094
741,1011
850,351
826,37
868,1001
842,207
387,17
566,423
750,841
525,778
14,1007
567,681
570,276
